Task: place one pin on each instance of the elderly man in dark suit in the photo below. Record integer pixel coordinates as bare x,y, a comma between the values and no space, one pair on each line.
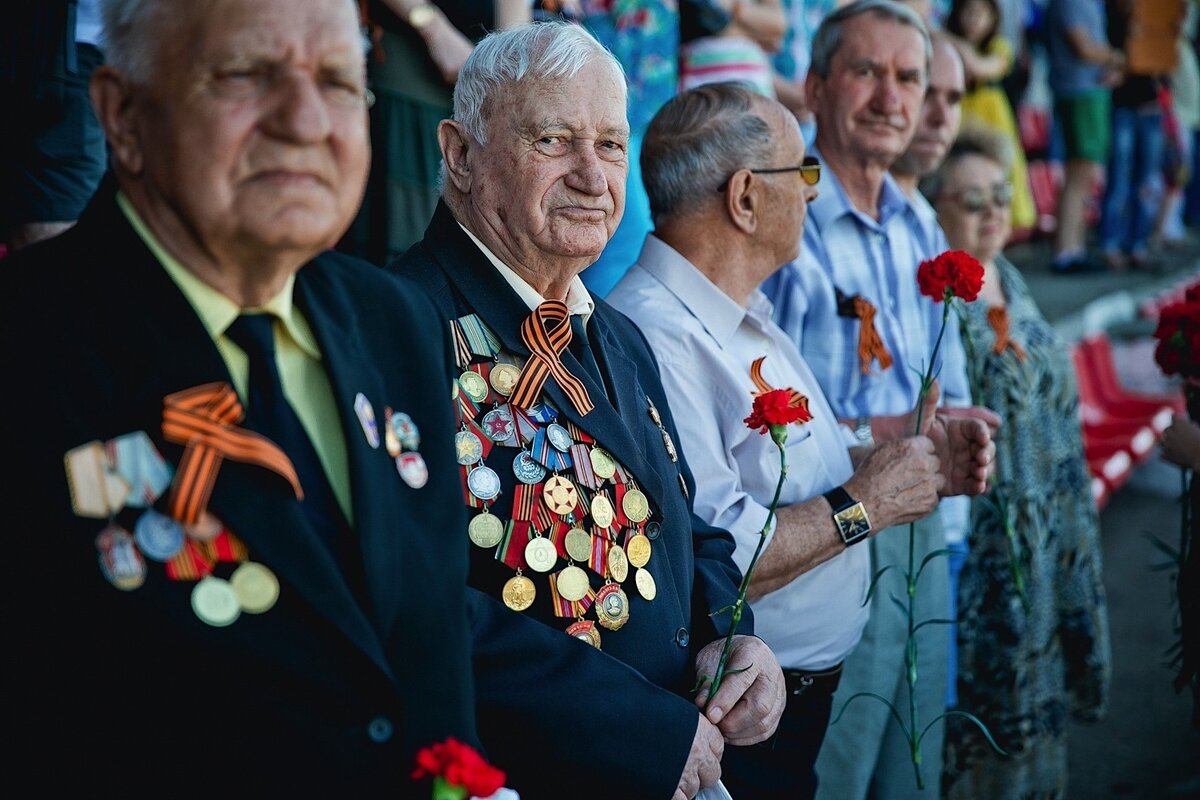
231,483
581,509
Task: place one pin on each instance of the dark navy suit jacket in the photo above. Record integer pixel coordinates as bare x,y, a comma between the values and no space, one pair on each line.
565,720
130,692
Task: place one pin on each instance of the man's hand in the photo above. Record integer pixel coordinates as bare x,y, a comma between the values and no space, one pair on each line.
1181,443
965,451
898,481
703,767
749,703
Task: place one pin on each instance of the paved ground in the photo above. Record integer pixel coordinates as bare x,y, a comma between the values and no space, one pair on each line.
1145,749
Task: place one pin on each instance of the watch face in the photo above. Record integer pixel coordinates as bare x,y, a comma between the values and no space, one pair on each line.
853,523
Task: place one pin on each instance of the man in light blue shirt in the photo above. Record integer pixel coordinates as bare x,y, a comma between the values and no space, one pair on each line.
694,294
852,303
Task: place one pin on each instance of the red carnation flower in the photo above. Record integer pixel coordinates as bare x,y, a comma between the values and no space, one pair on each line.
777,407
954,273
459,765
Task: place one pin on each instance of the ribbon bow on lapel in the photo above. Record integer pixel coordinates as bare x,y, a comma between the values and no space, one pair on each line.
998,319
870,345
547,332
204,420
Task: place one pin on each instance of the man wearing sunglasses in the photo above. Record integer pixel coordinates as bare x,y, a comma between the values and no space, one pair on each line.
851,301
694,293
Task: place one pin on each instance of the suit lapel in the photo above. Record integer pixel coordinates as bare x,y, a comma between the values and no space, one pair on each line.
256,505
377,519
488,295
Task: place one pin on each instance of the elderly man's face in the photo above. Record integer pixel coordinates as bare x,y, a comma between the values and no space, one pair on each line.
867,107
253,130
550,181
941,113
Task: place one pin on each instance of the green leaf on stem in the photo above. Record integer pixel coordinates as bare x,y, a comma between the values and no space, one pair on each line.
874,581
987,734
880,698
934,622
945,551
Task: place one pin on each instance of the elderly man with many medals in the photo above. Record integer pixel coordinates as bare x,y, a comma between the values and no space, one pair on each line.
581,509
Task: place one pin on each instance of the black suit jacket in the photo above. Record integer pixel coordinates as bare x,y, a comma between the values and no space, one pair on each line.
130,691
565,720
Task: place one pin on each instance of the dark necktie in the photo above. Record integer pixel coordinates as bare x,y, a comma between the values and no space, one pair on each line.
581,348
270,414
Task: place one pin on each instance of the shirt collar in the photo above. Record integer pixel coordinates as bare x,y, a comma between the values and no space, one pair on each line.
714,309
834,203
579,299
216,311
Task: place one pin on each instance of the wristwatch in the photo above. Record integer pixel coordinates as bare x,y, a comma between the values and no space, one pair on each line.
849,515
420,16
863,432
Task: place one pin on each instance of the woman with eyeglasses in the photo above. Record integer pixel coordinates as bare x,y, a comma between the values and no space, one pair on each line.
1032,634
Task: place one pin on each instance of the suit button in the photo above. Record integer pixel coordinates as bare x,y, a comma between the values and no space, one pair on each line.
682,638
380,730
653,530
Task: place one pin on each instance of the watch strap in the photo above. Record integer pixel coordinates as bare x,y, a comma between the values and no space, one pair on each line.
839,499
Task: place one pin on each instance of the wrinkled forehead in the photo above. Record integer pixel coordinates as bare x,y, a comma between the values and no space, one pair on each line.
594,98
314,31
869,38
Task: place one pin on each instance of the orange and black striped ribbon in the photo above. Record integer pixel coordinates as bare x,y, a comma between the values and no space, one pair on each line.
547,332
998,318
795,400
204,419
462,351
870,345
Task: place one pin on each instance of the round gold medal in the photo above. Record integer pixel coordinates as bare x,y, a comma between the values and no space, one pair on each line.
474,385
635,505
645,584
518,593
618,564
560,495
572,583
602,511
638,550
485,530
215,602
204,529
540,554
585,630
612,607
391,441
603,464
504,378
256,587
579,544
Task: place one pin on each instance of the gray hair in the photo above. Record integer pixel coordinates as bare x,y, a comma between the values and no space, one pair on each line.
828,38
973,140
534,51
134,29
698,139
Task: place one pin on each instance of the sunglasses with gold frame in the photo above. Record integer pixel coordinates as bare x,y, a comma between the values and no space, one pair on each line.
810,172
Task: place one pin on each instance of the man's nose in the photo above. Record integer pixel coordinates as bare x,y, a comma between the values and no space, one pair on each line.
298,110
587,175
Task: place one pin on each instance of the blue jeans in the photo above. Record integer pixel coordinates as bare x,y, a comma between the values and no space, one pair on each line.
1132,190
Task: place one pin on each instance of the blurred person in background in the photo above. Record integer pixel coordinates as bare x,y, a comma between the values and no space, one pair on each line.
1026,662
54,153
975,28
1082,68
417,48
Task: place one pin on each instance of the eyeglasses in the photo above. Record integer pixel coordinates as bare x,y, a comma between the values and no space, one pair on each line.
810,172
975,201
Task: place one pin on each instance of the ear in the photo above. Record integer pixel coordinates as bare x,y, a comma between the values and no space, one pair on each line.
112,99
455,144
742,201
812,91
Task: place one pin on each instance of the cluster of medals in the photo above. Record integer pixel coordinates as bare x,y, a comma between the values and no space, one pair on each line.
575,509
106,479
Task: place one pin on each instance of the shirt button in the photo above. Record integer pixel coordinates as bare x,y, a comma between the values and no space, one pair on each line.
380,729
682,638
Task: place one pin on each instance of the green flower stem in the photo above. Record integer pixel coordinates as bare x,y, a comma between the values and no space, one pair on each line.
779,436
910,651
444,790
